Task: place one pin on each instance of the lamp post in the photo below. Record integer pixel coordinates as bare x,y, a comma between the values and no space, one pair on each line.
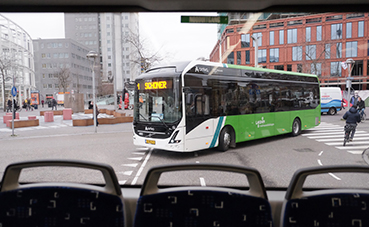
256,46
349,62
93,55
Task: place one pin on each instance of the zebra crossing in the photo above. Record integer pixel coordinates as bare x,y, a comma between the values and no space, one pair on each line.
332,135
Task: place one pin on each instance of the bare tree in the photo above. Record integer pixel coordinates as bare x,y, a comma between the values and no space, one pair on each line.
8,71
145,58
63,76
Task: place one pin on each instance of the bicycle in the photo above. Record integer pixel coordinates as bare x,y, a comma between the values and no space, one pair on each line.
348,129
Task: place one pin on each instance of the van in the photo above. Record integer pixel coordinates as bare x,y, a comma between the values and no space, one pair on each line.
331,99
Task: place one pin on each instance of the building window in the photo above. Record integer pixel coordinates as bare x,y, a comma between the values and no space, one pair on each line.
308,34
257,35
360,29
310,52
336,69
348,30
281,36
351,49
271,38
230,58
279,67
245,40
262,56
299,68
327,50
297,53
336,31
292,35
247,56
289,67
357,70
238,57
318,33
316,69
338,50
274,55
49,86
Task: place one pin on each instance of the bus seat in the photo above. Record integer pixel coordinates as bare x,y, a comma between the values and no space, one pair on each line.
325,207
202,206
60,203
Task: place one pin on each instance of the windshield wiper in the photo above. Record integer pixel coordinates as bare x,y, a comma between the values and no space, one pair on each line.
161,121
143,117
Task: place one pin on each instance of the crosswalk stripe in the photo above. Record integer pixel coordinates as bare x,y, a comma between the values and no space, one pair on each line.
340,139
332,135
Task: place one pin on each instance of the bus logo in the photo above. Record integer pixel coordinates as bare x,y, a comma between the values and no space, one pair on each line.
149,128
261,123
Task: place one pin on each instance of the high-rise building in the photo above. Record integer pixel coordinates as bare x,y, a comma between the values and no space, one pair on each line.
17,62
61,65
108,34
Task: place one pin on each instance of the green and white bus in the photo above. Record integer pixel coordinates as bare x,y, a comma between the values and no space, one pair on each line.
198,105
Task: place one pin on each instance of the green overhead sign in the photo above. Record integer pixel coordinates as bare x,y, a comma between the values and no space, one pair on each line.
205,19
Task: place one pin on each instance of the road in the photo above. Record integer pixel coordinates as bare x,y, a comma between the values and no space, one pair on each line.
277,158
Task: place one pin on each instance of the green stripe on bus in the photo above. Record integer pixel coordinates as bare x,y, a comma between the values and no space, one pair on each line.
216,134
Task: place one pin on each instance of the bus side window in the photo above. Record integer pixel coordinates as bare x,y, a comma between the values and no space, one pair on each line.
206,104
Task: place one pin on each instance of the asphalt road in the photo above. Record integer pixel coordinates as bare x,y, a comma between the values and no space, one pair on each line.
277,158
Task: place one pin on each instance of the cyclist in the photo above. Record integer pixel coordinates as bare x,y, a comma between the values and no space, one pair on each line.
352,117
360,106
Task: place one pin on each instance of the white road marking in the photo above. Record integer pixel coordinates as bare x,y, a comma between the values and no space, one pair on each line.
142,167
334,176
350,143
356,152
320,162
347,147
122,182
130,165
202,182
341,139
136,158
139,153
320,154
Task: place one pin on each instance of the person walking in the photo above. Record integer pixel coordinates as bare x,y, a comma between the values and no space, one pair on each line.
97,113
53,104
9,104
354,99
360,106
42,103
352,117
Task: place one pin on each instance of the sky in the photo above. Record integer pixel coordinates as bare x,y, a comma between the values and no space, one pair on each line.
162,32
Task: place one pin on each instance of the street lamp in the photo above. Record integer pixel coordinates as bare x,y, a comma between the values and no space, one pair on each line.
255,38
93,55
349,62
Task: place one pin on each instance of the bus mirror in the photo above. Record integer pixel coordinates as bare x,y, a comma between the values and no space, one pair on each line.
186,90
189,99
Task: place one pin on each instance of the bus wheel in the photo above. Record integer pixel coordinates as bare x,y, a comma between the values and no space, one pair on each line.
296,127
225,138
332,111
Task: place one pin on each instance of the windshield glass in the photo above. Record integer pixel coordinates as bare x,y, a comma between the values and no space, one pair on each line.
237,88
159,100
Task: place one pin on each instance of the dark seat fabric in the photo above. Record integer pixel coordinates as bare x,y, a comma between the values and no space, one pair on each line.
334,210
202,208
59,206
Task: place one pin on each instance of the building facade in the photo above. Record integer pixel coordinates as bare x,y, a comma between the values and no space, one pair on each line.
61,65
107,34
16,61
309,43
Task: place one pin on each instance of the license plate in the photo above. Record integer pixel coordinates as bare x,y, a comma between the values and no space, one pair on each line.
152,142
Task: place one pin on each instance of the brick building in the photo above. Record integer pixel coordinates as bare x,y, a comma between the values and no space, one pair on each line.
309,43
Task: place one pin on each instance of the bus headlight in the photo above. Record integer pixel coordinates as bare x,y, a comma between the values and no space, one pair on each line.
173,139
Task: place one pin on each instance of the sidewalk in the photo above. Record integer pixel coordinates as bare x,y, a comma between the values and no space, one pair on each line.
60,126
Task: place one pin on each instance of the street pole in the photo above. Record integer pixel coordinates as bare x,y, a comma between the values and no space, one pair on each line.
348,80
93,55
256,46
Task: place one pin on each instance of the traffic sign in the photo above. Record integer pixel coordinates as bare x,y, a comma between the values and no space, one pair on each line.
14,91
205,19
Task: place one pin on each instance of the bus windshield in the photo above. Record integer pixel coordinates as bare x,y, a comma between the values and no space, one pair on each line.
158,100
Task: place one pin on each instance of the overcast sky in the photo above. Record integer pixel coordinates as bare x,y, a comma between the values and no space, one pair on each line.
164,32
